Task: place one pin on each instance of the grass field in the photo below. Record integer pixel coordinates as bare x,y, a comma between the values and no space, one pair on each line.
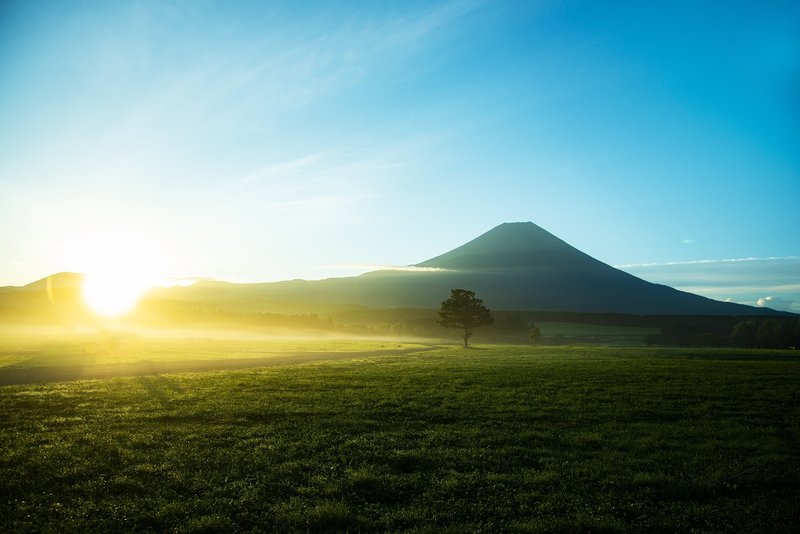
492,439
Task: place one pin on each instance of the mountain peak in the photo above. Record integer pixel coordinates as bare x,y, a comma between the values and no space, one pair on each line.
508,246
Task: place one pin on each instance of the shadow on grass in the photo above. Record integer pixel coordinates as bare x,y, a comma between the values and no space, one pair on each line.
155,385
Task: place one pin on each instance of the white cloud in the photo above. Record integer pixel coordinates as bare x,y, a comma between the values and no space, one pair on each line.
774,302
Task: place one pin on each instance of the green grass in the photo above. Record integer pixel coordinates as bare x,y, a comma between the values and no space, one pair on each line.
491,439
596,330
25,350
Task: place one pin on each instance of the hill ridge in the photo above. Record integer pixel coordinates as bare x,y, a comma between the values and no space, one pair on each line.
514,266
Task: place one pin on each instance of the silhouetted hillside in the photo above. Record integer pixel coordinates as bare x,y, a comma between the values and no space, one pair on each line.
56,298
515,266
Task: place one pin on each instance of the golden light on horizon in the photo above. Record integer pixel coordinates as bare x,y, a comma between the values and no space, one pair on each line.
112,295
119,267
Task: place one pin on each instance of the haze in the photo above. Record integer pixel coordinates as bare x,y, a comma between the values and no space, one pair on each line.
251,141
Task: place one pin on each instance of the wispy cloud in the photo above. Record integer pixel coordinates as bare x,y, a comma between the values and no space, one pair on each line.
773,282
374,267
751,288
285,68
410,32
707,262
318,187
183,281
280,171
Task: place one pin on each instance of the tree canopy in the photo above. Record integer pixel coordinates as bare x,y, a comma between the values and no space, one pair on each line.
534,334
463,310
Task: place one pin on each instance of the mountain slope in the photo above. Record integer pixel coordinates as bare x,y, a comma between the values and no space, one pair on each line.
515,266
55,298
512,246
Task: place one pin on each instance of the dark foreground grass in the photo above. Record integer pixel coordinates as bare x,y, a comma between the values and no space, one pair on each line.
485,440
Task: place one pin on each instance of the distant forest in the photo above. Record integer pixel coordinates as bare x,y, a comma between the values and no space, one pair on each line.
557,328
509,326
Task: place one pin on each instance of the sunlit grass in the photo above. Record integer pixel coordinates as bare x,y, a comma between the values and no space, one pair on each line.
489,439
97,348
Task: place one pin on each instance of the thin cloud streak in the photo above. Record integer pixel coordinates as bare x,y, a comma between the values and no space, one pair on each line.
371,267
273,78
320,188
279,171
753,281
706,262
752,288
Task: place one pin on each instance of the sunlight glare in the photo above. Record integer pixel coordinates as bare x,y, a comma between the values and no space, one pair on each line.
112,295
119,268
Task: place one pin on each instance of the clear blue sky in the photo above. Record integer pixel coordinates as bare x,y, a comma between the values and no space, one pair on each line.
257,141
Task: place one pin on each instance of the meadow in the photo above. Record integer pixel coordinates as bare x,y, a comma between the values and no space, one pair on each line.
403,437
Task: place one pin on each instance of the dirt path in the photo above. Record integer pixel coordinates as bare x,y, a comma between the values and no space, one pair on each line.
39,375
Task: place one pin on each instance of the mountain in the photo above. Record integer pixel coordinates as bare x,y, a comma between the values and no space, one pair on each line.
514,266
54,281
58,281
511,247
54,298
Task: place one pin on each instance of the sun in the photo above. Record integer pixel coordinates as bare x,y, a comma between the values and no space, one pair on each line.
119,268
112,294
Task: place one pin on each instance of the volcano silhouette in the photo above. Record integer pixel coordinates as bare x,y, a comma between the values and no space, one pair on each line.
515,247
514,266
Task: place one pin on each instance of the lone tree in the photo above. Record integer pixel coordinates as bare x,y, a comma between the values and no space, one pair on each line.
463,310
534,334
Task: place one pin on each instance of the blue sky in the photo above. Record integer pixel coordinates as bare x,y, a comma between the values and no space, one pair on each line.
257,141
